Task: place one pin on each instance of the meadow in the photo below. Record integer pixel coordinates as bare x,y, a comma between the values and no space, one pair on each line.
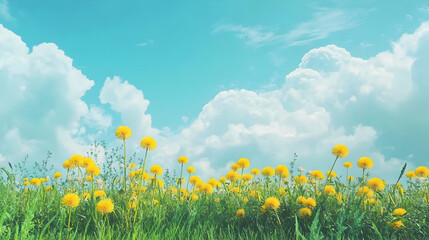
125,198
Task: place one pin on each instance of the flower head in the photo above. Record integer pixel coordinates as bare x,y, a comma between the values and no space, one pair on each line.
300,179
182,160
282,171
304,212
376,184
76,160
105,206
68,165
123,132
206,188
232,175
255,171
190,169
318,175
331,174
99,193
93,170
35,181
365,163
397,224
71,200
329,190
194,179
309,202
156,169
268,172
340,151
235,167
240,213
247,177
272,202
243,163
399,212
365,191
422,172
411,174
348,164
57,175
87,161
148,143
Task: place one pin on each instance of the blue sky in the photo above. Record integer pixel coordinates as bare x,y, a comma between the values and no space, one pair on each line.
190,60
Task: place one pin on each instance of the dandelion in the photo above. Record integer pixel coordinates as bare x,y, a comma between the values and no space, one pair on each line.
422,172
318,175
340,151
57,175
365,191
99,193
190,169
309,202
87,161
411,174
331,174
300,200
71,200
304,212
247,177
329,190
243,163
397,224
255,172
148,143
182,160
235,167
268,172
48,188
300,179
156,169
35,181
365,163
76,160
376,184
399,211
232,176
68,165
123,132
240,213
132,165
93,170
348,164
350,178
272,203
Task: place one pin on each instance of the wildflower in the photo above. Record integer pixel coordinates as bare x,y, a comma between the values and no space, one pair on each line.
411,174
26,183
194,197
399,212
222,179
93,170
194,179
57,175
365,163
397,224
318,175
300,179
25,179
199,184
247,177
99,193
268,172
132,204
240,213
331,174
255,171
301,169
76,160
366,192
123,132
87,161
86,196
329,190
160,183
190,169
105,206
272,202
235,167
156,169
71,200
132,165
182,160
68,165
148,143
282,171
172,189
155,202
181,182
89,178
300,200
376,184
304,212
309,202
422,172
340,151
48,188
243,163
35,181
348,164
232,175
350,178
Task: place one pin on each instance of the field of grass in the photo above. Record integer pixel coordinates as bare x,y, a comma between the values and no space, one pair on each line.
95,201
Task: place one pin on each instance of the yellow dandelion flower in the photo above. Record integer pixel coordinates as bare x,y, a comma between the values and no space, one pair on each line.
301,200
68,165
272,203
397,224
247,177
422,172
411,174
35,181
222,179
304,212
76,160
99,193
194,179
282,171
132,165
156,169
240,213
57,175
309,202
255,171
331,174
182,160
194,197
350,178
26,183
148,143
71,200
329,190
376,184
365,163
105,206
300,179
123,132
87,161
92,170
86,196
399,211
318,175
232,175
190,169
235,167
340,151
243,163
348,164
48,188
268,172
89,178
365,191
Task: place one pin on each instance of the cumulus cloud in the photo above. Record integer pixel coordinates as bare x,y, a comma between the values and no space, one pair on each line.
41,105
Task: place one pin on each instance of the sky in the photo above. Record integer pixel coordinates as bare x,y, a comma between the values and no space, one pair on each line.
217,81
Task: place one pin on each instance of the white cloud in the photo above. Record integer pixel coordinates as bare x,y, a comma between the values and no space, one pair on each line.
40,99
324,22
4,10
145,44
